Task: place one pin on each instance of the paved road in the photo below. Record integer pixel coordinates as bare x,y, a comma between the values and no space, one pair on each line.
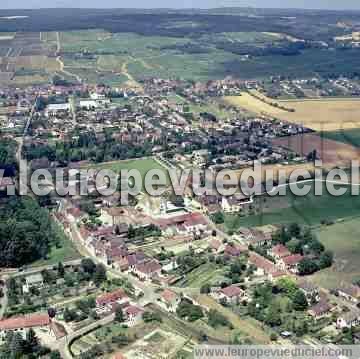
63,344
149,289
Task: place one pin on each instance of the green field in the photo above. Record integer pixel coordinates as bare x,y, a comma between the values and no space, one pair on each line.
344,240
63,252
309,210
116,59
206,273
142,165
156,56
348,136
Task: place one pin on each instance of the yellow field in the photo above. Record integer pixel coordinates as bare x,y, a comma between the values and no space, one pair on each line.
321,114
37,62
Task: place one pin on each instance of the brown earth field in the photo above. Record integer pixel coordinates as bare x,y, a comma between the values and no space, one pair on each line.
324,114
329,151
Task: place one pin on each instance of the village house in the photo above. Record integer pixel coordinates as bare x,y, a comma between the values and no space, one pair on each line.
290,263
278,252
200,157
112,216
208,204
311,292
230,295
351,293
253,237
189,223
110,249
216,246
263,265
21,325
235,250
6,183
107,302
33,281
170,300
273,276
236,203
147,270
133,315
349,319
320,310
129,262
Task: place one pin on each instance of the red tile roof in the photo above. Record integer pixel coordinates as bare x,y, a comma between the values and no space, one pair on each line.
168,295
231,291
189,219
261,262
133,310
118,356
292,260
215,244
112,297
30,321
235,250
281,251
148,267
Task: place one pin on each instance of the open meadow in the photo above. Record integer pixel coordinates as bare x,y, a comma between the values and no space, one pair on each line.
317,114
308,210
343,239
143,165
331,152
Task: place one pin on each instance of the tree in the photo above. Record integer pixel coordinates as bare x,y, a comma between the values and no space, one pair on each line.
99,275
119,315
52,312
190,311
273,317
294,230
69,315
326,260
121,340
316,246
216,319
55,355
300,301
205,289
307,267
149,317
218,218
32,342
287,286
47,276
88,266
61,270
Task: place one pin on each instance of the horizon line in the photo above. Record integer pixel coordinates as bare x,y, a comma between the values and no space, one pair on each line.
180,8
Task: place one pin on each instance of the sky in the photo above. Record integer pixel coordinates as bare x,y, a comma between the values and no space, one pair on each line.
308,4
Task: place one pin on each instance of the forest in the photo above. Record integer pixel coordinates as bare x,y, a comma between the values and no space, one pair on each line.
319,25
27,232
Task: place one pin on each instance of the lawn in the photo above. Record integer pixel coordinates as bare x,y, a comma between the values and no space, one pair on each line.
206,273
308,210
143,165
344,240
63,252
250,328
